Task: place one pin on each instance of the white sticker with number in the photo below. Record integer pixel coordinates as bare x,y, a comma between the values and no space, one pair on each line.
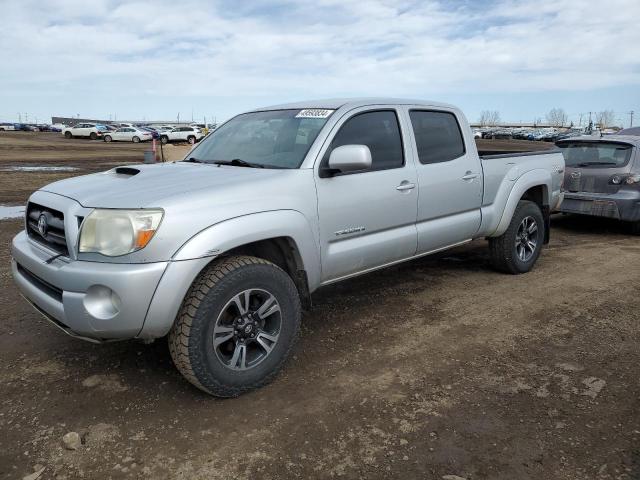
314,113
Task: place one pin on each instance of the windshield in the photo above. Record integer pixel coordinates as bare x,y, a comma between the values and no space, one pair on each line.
594,155
272,139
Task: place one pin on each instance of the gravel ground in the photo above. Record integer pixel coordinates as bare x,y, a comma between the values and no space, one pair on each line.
435,369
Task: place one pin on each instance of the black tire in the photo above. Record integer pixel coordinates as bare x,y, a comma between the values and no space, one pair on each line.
135,139
93,135
635,228
67,135
164,139
191,340
504,252
191,139
107,138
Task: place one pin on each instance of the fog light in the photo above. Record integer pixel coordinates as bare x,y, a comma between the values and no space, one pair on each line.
101,302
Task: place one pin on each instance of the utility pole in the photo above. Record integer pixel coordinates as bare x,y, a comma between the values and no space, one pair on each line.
631,118
580,123
178,117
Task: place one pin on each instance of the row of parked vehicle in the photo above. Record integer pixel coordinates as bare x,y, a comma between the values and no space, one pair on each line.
540,135
127,132
28,127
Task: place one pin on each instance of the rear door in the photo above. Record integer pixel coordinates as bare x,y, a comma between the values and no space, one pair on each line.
367,218
449,178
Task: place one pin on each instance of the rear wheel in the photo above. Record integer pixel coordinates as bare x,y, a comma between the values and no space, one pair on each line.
135,139
517,250
236,327
164,139
191,139
93,135
107,138
67,135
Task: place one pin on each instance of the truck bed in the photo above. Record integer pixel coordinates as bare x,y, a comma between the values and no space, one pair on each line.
504,147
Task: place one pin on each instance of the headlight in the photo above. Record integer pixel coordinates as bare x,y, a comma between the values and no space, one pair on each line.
118,232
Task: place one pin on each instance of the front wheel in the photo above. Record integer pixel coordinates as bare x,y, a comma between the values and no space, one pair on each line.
164,139
236,327
635,228
517,250
135,139
191,139
107,138
67,135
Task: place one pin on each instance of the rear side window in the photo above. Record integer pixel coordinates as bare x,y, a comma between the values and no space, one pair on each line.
377,130
595,154
438,136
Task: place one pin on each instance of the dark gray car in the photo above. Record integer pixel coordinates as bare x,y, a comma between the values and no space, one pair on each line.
602,177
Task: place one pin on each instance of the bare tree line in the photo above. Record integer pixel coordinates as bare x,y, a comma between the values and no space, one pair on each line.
556,117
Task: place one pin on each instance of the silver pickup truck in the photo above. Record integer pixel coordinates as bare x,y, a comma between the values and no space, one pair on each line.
222,251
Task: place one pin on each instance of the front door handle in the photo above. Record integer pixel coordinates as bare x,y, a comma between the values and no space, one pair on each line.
404,186
470,175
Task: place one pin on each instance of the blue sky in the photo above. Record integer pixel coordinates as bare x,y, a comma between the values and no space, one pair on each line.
155,59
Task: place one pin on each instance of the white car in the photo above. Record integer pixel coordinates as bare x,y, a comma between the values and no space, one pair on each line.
90,130
182,134
128,134
5,127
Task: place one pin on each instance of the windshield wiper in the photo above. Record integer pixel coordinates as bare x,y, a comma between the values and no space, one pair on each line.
193,160
237,162
586,164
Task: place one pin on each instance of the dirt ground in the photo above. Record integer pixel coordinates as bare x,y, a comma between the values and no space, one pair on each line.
435,369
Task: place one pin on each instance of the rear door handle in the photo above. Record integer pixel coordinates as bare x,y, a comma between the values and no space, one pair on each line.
404,186
470,176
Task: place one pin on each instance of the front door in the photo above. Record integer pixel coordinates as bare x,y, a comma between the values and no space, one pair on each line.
367,218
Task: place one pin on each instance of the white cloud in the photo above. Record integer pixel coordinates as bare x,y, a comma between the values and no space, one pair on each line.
163,49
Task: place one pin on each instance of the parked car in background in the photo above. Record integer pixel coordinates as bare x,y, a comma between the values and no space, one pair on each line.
181,134
6,127
154,133
222,250
128,134
83,130
57,127
603,177
630,131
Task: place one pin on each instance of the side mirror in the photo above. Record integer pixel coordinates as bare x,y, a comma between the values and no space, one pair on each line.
349,158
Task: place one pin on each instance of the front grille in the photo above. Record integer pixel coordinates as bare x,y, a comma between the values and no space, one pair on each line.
54,234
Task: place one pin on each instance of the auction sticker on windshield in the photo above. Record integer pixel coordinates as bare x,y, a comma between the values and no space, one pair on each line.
314,113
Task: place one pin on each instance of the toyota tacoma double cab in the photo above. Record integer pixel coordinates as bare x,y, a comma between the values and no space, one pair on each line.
221,252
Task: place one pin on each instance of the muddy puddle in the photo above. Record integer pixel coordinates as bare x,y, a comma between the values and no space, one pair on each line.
11,211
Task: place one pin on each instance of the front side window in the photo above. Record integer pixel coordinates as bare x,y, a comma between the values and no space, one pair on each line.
273,139
438,136
595,154
377,130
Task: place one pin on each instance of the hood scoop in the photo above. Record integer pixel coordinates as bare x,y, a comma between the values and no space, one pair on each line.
127,171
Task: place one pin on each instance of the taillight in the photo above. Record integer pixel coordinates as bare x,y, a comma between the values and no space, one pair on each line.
624,179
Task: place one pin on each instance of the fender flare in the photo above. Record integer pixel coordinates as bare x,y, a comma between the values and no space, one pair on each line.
235,232
533,178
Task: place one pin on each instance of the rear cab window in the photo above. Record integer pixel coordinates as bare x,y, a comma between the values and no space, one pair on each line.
438,136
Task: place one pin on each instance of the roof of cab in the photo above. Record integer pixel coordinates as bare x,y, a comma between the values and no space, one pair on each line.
336,103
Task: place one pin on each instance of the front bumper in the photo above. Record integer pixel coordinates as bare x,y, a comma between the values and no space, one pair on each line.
623,205
88,299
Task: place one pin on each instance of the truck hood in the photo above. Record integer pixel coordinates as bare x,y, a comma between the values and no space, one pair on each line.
139,186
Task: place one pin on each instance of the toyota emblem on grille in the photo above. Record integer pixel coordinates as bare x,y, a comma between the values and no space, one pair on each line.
42,225
576,175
